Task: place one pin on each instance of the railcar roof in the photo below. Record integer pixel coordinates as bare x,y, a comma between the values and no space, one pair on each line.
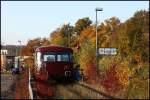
54,48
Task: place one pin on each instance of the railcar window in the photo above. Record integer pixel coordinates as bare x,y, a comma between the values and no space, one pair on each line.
50,58
63,57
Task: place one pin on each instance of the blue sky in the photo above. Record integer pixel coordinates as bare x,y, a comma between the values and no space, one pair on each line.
24,20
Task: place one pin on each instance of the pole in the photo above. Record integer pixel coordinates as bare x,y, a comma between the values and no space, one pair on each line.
20,48
97,9
96,45
19,53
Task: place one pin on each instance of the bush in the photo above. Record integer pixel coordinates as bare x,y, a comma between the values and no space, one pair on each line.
87,59
111,81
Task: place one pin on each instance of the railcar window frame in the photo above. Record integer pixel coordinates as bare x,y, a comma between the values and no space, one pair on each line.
49,53
69,55
61,57
49,57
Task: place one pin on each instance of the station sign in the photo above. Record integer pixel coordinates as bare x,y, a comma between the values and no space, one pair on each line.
107,51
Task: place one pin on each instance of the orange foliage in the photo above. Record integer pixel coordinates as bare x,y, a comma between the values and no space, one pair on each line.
137,57
91,72
29,49
87,33
123,73
111,80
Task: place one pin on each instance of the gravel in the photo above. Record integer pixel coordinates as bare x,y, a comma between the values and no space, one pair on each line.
7,86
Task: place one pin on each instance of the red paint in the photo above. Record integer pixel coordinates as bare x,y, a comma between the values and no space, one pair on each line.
56,68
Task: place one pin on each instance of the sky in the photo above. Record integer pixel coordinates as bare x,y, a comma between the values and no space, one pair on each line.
26,20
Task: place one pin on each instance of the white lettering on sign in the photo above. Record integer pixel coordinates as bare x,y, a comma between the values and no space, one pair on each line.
101,50
113,51
107,51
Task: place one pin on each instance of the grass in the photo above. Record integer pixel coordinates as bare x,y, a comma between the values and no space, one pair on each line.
138,89
139,85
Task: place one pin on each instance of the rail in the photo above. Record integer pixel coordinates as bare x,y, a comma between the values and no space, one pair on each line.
30,89
95,91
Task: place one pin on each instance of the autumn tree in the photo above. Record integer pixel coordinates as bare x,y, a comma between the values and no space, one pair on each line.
63,36
130,38
29,49
87,59
56,38
81,24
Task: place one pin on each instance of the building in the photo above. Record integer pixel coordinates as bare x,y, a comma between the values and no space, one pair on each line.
8,53
3,58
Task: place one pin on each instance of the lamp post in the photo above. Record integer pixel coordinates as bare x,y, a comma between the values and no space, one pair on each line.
97,9
19,54
19,48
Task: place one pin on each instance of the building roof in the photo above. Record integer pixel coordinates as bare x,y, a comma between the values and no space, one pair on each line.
12,50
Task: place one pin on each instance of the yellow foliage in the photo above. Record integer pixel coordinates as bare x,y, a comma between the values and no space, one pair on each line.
123,73
93,40
56,38
87,33
137,57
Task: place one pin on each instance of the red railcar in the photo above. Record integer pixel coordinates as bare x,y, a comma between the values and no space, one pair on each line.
53,62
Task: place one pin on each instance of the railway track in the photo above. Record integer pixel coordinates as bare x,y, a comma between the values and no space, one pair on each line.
78,90
93,93
82,91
